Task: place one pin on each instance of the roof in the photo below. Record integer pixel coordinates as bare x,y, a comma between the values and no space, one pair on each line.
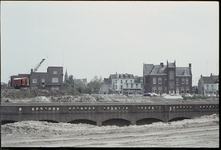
114,76
183,71
215,78
157,69
150,69
147,68
208,80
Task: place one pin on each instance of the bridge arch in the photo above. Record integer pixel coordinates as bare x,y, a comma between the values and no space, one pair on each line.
7,121
147,121
178,119
117,122
85,121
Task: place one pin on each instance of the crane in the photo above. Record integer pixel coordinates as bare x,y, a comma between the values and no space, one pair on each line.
36,68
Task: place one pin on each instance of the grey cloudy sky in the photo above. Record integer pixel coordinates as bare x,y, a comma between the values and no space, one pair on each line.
102,38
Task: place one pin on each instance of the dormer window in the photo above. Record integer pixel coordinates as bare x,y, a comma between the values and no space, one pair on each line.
55,72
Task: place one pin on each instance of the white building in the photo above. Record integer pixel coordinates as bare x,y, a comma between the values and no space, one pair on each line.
208,85
121,83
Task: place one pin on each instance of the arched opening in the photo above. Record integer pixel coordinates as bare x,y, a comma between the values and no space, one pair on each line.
178,119
117,122
7,121
147,121
51,121
83,121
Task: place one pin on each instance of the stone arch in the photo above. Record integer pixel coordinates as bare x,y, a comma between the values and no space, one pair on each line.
85,121
7,121
147,121
178,119
117,122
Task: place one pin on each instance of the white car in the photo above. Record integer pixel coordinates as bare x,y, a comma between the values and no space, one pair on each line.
154,94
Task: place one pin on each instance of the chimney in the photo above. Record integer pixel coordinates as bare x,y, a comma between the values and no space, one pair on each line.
161,64
189,65
211,75
31,71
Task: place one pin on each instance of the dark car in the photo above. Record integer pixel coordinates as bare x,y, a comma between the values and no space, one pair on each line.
147,94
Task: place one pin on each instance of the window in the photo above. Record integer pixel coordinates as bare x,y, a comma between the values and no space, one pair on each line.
55,72
54,80
171,84
165,89
212,87
121,87
43,80
154,80
183,81
182,89
54,88
34,81
187,89
187,80
121,81
131,85
207,87
130,81
127,85
154,89
171,75
116,87
159,80
177,81
136,85
126,81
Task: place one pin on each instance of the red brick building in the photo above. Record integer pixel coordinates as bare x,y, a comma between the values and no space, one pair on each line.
167,78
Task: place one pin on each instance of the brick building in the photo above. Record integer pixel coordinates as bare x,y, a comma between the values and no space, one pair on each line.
52,79
167,78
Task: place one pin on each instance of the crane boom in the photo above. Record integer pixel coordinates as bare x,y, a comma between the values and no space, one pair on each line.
36,68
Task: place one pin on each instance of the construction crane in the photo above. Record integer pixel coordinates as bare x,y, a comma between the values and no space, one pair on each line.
24,81
36,68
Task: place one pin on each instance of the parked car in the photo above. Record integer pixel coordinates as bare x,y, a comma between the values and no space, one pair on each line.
171,94
188,95
154,94
147,94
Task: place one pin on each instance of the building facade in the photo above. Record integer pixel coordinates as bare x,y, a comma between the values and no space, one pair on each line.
167,78
208,85
52,79
121,83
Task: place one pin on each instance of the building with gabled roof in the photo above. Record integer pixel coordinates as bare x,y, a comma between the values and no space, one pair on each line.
167,78
208,85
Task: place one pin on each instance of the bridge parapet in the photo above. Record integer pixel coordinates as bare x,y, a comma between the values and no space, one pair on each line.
102,112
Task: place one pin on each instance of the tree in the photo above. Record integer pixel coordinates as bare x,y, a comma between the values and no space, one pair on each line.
138,79
95,84
81,87
70,82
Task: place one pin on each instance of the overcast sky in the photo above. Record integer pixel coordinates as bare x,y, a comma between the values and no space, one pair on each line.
102,38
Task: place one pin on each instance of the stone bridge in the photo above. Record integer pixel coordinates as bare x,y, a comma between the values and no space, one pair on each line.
106,114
